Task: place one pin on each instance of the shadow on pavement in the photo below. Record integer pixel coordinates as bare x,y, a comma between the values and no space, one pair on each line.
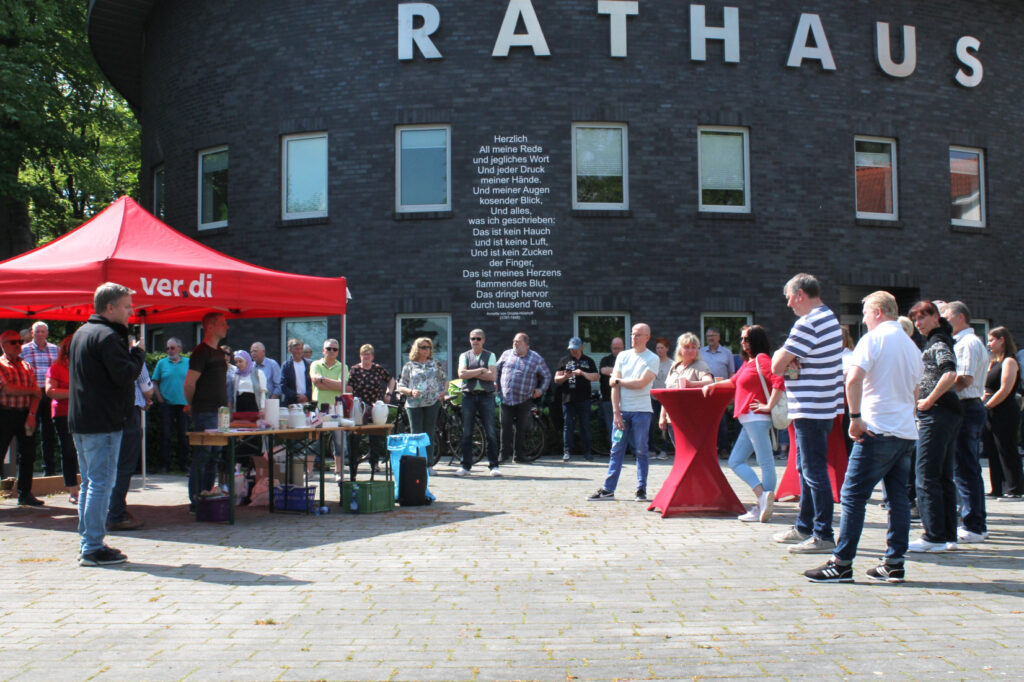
209,574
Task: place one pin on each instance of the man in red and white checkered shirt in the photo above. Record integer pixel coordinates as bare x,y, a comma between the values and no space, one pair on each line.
19,398
40,354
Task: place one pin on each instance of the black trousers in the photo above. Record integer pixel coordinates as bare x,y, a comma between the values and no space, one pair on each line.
513,426
48,432
12,425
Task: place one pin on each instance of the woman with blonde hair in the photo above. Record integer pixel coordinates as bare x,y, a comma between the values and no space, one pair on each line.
688,371
423,383
1003,422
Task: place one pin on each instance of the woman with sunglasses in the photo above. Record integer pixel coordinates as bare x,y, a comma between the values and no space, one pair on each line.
753,410
423,383
329,376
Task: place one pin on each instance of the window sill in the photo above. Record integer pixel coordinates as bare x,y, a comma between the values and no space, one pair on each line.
212,231
302,222
727,215
422,215
871,222
967,229
599,213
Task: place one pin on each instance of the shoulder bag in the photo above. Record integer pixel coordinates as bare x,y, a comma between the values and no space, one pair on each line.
780,413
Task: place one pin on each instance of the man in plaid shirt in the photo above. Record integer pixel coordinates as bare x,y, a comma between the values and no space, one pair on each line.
40,354
19,399
520,375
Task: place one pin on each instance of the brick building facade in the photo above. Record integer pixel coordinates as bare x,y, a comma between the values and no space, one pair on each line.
632,177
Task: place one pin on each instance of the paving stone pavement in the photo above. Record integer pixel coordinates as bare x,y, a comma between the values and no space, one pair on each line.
502,579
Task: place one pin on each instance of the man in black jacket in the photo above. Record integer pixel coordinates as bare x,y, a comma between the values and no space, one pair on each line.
100,401
296,386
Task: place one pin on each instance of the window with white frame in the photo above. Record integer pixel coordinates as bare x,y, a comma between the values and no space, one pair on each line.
875,173
312,331
728,326
435,326
600,166
723,160
967,186
304,176
423,161
213,188
159,182
597,329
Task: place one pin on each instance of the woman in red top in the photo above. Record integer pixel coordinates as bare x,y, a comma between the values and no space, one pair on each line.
753,410
57,389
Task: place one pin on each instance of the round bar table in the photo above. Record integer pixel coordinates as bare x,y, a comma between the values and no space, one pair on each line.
696,484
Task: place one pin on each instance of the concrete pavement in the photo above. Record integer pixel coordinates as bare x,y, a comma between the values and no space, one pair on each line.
501,579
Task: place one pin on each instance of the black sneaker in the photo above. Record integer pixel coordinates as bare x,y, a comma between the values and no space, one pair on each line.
601,494
641,495
30,501
887,573
831,572
104,556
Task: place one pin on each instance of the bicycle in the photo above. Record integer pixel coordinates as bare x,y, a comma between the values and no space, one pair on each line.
453,434
535,439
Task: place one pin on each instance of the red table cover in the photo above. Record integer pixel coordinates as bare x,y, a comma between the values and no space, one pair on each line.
696,484
789,486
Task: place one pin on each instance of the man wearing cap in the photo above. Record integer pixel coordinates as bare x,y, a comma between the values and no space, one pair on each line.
476,370
19,399
573,376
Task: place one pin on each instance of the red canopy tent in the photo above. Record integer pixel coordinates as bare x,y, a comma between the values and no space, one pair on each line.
176,279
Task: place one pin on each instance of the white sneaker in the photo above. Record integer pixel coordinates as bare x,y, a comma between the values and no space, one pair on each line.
790,537
339,478
922,545
765,504
967,537
661,455
952,547
496,472
462,472
751,516
565,457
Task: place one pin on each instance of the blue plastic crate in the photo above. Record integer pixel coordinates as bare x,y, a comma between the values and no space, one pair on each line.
295,498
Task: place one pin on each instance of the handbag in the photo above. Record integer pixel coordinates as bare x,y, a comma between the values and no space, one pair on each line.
780,412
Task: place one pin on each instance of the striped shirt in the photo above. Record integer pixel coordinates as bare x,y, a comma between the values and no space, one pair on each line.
19,374
817,340
40,359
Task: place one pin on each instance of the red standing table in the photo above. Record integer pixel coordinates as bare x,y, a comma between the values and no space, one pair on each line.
696,484
789,486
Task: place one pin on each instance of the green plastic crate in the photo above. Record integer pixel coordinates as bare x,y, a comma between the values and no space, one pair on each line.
371,496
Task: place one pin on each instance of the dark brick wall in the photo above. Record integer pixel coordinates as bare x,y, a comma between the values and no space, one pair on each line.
244,73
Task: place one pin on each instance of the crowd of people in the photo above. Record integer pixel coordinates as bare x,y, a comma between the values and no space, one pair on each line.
923,396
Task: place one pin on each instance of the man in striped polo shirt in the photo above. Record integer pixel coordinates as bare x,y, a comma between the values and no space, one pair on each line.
811,359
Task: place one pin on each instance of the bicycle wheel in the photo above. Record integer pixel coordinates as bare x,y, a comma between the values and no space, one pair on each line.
534,438
598,438
479,442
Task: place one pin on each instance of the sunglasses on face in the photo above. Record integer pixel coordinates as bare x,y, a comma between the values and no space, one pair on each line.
424,347
332,350
16,342
476,338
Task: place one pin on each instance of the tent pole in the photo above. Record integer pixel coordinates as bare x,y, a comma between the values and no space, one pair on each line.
142,335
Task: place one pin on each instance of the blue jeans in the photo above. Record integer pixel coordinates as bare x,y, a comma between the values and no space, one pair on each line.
473,405
570,413
874,459
936,492
127,459
203,472
754,438
815,515
97,463
635,427
967,469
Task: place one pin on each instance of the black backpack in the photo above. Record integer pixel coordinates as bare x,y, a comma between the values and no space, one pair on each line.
412,481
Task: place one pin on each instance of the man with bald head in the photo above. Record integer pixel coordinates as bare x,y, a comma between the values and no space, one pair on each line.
631,379
605,368
270,368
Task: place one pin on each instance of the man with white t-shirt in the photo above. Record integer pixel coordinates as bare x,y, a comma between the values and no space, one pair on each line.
812,362
631,379
881,389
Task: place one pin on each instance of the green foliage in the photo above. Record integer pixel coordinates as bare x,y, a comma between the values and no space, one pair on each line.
69,143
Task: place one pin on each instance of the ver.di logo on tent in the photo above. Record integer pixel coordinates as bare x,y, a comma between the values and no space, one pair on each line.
197,288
